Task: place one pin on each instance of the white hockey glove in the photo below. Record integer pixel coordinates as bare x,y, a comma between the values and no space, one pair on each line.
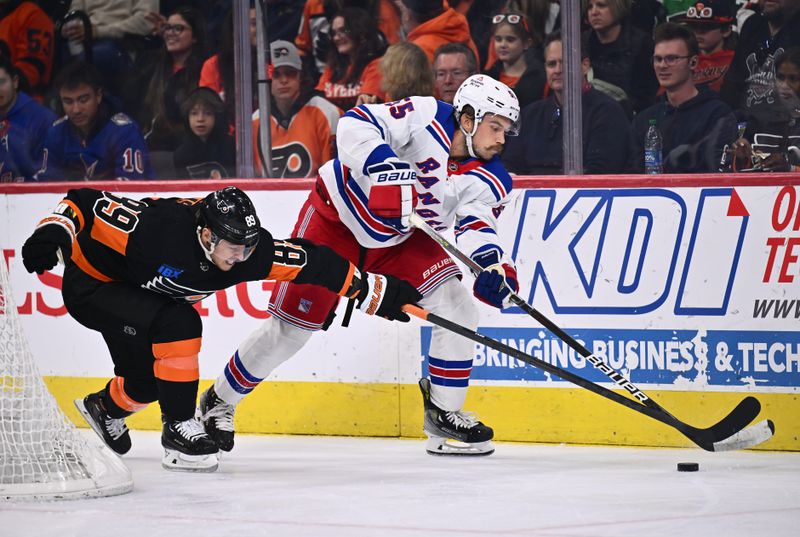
393,196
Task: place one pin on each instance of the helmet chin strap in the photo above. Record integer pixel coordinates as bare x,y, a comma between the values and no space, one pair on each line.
468,137
206,250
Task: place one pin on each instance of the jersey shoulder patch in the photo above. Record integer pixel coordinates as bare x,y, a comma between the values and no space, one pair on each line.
121,119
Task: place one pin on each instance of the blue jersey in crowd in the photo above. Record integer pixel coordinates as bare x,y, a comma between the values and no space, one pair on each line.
114,150
22,134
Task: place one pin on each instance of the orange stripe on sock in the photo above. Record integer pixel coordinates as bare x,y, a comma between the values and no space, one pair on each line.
177,361
122,399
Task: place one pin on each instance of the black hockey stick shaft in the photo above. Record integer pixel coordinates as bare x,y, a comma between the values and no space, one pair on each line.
737,420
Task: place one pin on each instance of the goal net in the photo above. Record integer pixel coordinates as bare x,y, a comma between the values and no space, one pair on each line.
42,455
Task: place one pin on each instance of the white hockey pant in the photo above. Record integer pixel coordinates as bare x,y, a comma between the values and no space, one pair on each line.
266,348
453,301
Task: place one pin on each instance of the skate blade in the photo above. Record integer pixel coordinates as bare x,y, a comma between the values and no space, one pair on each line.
96,428
176,461
448,447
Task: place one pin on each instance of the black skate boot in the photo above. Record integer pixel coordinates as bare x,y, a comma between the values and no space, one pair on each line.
187,447
113,431
217,416
453,432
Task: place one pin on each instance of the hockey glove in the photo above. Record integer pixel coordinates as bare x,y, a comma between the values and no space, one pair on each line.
493,285
384,295
40,251
393,196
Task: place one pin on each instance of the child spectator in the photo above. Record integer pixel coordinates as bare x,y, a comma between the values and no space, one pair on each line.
88,143
621,53
23,127
208,151
164,79
517,65
352,67
711,20
26,36
303,123
405,72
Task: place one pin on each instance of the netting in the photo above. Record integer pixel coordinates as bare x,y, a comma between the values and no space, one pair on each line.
42,454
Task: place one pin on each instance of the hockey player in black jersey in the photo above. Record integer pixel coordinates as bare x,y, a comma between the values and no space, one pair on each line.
133,270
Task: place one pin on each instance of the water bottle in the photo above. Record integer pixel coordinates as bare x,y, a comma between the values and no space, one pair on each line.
652,149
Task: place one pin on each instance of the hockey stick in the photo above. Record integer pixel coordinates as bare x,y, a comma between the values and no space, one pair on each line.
727,435
733,424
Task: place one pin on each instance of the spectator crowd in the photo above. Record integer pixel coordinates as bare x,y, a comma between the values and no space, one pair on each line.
146,89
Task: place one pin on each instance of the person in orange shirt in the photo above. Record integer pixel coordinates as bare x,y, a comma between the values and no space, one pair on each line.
303,123
352,67
26,36
711,20
314,36
517,65
432,23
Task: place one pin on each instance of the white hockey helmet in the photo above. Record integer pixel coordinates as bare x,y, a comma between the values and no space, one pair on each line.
487,96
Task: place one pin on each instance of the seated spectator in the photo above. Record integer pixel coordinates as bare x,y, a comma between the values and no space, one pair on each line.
314,38
750,82
517,64
620,53
303,123
208,150
88,143
162,80
23,126
538,150
695,125
112,21
405,71
352,67
453,63
775,144
429,25
711,20
26,37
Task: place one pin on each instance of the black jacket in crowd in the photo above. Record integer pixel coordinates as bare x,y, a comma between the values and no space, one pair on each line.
693,134
538,149
213,159
750,81
627,63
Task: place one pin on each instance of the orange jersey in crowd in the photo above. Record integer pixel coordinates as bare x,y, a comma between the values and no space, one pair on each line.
306,144
27,32
712,68
210,76
449,27
344,95
388,23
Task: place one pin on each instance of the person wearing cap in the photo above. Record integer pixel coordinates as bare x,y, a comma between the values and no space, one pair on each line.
695,124
711,21
430,24
303,122
538,149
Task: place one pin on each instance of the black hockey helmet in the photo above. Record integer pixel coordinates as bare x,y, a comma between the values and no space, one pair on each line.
230,215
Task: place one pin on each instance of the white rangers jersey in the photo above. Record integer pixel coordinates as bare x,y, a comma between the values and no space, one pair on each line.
419,130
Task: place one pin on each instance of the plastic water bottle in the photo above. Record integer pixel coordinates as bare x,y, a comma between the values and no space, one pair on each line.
652,149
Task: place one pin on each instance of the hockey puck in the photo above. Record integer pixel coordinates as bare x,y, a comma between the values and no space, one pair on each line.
688,467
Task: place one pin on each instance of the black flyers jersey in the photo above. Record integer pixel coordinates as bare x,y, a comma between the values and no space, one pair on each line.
153,243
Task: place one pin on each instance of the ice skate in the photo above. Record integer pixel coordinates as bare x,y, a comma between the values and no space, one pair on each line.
187,447
113,431
217,416
453,432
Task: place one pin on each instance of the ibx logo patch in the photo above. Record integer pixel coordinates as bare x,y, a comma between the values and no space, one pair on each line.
169,272
305,305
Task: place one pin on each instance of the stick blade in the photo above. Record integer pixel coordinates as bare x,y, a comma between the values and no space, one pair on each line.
747,438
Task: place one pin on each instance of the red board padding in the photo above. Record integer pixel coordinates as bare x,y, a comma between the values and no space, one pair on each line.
560,181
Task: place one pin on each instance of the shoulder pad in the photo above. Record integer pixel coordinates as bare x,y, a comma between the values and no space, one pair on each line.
121,119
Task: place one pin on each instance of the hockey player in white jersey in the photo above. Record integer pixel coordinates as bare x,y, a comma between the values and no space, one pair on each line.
416,153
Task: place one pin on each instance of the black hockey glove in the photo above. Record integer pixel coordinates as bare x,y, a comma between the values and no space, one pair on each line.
39,253
385,295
